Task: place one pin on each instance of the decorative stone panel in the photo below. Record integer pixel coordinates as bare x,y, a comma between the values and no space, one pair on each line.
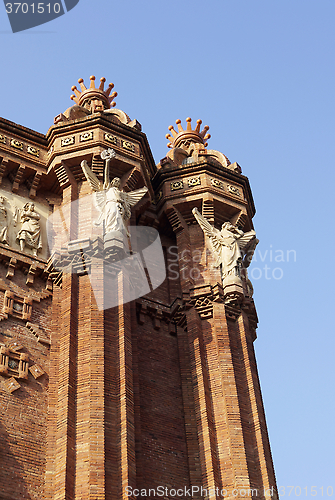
17,307
177,185
13,364
111,138
194,181
86,136
67,141
36,371
129,146
10,385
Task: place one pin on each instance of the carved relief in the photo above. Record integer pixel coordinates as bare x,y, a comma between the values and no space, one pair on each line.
204,306
86,136
177,185
234,190
3,222
16,144
194,181
111,138
129,146
158,196
33,151
216,183
30,233
22,224
67,141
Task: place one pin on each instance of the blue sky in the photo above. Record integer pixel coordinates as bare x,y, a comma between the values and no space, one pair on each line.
261,75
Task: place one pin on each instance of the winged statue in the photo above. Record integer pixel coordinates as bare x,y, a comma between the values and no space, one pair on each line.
113,204
232,247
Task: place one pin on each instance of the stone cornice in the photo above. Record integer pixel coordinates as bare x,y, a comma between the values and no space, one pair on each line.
169,173
105,121
23,132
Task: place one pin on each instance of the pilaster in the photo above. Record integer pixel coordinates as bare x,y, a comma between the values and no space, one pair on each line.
227,441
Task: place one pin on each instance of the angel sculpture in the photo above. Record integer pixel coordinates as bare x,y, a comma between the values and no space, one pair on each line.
113,204
233,248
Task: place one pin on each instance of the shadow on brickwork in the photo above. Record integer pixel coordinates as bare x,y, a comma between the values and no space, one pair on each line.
12,483
244,401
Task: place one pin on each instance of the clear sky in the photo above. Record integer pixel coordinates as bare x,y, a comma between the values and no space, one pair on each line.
261,75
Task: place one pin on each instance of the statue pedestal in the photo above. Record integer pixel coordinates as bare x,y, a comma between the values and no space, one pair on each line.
116,245
233,289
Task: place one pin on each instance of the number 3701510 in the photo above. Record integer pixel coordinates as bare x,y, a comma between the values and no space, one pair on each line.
305,491
38,8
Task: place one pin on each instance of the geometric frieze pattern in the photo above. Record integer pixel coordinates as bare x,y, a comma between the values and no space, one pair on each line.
202,299
196,181
14,143
88,136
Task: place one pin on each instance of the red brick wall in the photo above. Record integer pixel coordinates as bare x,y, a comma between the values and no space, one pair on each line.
23,414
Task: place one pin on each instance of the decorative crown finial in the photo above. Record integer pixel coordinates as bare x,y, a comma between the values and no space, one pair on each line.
188,134
94,92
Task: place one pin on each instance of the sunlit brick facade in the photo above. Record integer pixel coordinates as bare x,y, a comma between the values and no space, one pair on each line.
162,391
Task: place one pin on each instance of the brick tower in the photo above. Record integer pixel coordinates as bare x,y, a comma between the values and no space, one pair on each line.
110,389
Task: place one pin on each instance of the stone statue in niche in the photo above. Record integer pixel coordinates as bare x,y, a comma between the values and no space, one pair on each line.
232,247
30,233
113,204
3,222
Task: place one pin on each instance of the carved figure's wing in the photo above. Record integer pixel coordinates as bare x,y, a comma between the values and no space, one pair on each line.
95,184
245,240
134,196
130,199
210,231
247,244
